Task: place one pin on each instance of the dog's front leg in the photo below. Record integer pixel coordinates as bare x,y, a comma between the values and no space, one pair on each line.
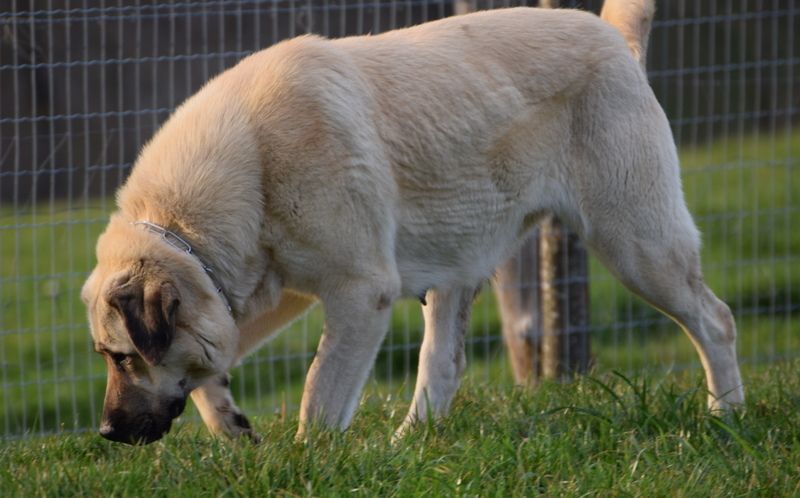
356,320
441,359
220,414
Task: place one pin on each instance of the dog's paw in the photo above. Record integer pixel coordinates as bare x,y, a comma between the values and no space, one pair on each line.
408,426
252,436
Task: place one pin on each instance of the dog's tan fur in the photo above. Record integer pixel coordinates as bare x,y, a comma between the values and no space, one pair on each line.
359,170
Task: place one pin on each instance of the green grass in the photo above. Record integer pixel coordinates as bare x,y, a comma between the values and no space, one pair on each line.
609,435
743,192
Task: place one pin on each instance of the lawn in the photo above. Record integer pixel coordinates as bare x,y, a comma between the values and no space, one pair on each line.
608,435
743,192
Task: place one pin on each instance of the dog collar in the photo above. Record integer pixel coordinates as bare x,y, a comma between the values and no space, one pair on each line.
181,244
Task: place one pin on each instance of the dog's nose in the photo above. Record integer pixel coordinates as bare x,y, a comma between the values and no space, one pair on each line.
109,432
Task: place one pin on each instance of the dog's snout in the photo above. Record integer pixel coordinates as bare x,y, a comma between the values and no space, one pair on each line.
141,429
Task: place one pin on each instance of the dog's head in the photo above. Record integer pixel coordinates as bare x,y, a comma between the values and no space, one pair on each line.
160,326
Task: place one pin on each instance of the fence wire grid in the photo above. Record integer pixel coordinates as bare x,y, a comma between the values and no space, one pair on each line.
84,84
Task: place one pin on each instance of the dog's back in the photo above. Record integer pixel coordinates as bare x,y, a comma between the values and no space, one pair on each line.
483,120
461,131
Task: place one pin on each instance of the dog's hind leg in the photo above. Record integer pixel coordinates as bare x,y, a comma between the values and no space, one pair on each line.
220,414
516,289
624,196
655,253
441,360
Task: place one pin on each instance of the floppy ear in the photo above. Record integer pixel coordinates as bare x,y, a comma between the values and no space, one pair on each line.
149,310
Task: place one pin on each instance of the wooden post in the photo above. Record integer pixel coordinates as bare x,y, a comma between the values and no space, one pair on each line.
564,298
549,247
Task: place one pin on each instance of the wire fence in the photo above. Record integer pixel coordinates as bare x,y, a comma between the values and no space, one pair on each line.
83,85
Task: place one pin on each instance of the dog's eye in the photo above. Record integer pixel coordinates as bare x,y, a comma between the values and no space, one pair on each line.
118,357
123,362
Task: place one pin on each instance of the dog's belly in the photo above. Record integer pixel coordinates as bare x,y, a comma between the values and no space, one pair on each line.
448,242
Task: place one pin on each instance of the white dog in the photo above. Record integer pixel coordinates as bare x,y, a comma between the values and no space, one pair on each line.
359,170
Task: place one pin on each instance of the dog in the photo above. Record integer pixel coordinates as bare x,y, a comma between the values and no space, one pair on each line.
355,171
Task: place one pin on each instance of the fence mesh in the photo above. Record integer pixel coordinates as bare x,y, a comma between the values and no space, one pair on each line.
84,84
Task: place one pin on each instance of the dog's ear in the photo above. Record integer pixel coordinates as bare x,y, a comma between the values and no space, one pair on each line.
149,310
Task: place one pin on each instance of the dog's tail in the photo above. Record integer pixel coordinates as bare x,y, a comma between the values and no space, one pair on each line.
633,18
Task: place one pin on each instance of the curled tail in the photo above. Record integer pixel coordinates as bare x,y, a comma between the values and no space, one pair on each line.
633,18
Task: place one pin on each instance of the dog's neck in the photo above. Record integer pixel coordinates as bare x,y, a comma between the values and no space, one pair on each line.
179,242
243,279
